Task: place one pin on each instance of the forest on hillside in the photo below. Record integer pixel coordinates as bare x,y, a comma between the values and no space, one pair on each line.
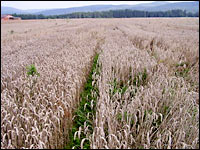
126,13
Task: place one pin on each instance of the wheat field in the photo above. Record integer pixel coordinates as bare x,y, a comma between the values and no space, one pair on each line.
144,90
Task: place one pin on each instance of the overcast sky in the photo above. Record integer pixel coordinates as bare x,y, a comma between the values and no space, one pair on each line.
63,4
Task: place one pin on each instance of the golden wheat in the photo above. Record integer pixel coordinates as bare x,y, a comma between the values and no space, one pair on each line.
148,82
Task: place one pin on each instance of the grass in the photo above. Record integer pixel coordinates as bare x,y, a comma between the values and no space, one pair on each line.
182,69
118,87
83,110
31,70
140,79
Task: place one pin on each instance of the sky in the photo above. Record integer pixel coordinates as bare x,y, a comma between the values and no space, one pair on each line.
24,5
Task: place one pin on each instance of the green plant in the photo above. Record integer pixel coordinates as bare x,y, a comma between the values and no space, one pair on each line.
82,111
140,78
117,87
182,64
31,70
182,69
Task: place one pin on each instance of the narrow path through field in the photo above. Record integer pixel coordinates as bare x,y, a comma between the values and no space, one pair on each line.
84,115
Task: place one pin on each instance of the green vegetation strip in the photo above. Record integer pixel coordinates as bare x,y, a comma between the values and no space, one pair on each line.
85,112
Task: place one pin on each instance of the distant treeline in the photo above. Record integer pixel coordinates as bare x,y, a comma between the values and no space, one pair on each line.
114,14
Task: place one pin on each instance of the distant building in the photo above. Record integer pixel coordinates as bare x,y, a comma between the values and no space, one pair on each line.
9,17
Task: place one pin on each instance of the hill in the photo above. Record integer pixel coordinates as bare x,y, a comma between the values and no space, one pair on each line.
154,6
11,10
